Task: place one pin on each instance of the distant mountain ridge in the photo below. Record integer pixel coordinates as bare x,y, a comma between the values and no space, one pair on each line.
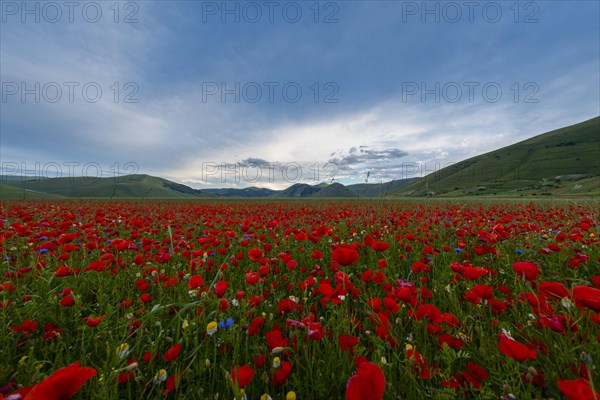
146,186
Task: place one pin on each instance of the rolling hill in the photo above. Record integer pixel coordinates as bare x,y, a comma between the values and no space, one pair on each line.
380,189
136,186
565,161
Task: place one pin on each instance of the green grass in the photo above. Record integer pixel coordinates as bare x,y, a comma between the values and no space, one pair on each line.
138,186
8,192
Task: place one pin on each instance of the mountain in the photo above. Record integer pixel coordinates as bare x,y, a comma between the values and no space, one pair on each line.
565,161
335,190
299,190
147,187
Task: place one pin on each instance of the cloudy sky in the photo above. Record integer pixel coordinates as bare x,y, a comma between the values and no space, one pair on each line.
235,94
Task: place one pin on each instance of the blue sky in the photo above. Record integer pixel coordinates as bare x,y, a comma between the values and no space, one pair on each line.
235,94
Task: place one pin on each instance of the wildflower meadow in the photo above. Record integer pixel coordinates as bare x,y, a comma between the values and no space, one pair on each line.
289,300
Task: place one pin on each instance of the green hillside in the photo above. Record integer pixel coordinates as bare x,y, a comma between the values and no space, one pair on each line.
334,190
138,186
380,189
561,162
8,192
249,192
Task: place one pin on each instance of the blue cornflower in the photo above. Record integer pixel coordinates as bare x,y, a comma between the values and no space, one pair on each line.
226,323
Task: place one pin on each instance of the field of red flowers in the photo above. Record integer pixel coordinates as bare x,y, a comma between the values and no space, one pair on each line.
299,300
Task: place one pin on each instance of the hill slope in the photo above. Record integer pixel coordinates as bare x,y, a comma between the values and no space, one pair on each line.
565,161
8,192
249,192
138,186
380,189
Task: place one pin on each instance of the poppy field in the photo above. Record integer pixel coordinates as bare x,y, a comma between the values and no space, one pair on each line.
351,300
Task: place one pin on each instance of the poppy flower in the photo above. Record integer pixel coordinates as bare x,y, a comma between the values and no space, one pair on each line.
275,339
221,288
63,271
255,325
577,389
62,384
380,246
255,254
242,376
67,301
145,298
26,327
473,273
196,281
587,296
345,256
367,384
172,353
475,375
552,290
281,374
172,383
527,269
347,342
286,306
316,331
516,350
451,341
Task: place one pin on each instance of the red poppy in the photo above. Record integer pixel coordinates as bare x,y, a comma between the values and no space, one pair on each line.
451,341
577,389
275,339
255,325
316,331
367,384
281,374
380,246
62,384
472,273
145,298
26,327
196,281
552,290
515,350
259,361
172,383
347,342
587,296
255,254
345,256
63,271
242,376
475,375
286,306
172,353
527,269
221,288
67,301
497,306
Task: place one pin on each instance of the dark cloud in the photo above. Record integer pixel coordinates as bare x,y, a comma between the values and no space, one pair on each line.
367,157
